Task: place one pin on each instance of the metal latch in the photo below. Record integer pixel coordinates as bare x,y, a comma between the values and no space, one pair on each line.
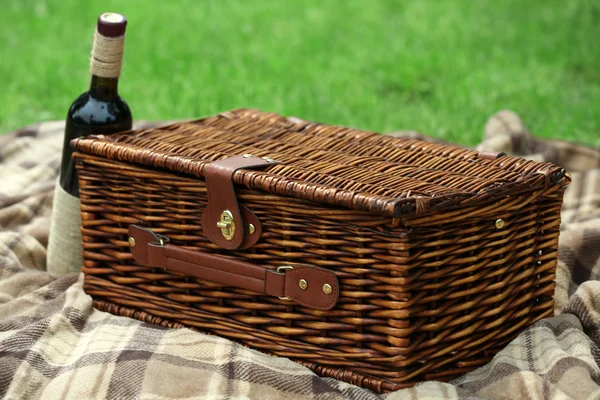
227,225
281,270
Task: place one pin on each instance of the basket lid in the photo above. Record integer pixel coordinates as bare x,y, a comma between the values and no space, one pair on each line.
329,164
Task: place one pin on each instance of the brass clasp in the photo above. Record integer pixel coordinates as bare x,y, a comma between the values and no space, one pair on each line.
227,225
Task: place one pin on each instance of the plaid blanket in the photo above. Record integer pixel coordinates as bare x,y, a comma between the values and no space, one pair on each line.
53,344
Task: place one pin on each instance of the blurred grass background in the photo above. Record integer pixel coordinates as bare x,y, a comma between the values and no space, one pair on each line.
441,67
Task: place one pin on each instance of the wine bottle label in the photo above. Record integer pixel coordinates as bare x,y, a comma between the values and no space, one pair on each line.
107,55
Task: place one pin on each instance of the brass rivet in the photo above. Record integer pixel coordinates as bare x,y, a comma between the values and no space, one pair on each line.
499,223
131,242
248,156
303,284
327,288
251,229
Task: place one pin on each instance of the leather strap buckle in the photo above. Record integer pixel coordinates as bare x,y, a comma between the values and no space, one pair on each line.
281,270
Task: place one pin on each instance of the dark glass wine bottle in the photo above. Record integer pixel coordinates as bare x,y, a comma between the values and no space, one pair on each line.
100,110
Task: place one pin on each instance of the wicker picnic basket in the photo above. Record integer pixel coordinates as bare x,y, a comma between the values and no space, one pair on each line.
375,260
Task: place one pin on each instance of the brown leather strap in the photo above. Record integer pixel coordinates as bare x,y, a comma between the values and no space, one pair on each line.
222,198
307,285
490,155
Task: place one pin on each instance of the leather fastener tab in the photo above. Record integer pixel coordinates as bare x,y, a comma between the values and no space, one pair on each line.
225,222
304,285
143,244
490,155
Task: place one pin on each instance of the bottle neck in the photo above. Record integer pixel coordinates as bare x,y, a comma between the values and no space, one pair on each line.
105,66
105,89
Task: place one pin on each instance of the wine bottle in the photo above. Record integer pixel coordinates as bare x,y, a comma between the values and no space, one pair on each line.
100,110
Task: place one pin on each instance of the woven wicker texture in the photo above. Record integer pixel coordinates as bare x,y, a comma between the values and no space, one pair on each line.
431,285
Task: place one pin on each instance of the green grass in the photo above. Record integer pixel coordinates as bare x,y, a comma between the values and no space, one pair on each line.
441,67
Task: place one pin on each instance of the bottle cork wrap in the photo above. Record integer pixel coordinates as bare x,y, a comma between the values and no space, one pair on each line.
107,55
